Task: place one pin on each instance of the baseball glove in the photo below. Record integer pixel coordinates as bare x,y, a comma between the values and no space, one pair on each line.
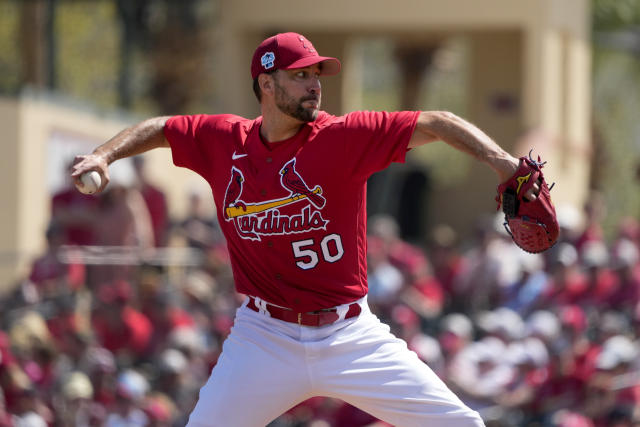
532,225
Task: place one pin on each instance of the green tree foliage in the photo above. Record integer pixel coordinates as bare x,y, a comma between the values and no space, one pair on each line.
615,14
147,56
616,102
9,54
87,50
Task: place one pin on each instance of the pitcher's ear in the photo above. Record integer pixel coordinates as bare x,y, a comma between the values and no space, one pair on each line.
266,82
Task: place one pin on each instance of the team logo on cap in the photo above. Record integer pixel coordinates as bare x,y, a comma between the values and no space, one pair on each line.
305,46
268,60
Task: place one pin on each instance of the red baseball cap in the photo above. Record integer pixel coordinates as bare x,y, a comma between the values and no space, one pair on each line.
286,51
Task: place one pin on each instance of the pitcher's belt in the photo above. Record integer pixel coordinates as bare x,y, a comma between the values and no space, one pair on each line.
311,318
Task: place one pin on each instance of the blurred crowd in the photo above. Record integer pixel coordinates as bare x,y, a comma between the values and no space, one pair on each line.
100,334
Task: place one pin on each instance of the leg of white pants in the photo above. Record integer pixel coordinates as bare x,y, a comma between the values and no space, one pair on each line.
368,367
259,376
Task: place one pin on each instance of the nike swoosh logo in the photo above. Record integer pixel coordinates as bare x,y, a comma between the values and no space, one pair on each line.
235,156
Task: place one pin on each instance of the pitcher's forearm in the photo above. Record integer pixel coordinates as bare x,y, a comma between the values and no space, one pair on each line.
464,136
134,140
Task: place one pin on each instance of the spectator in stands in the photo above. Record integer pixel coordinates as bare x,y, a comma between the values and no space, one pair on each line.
35,353
594,212
200,230
160,410
405,324
565,277
75,213
483,270
629,229
74,404
52,275
124,222
99,365
529,359
423,292
123,217
132,387
200,353
570,357
479,373
165,315
456,332
119,327
447,262
571,222
385,280
31,411
625,264
12,378
502,323
404,256
6,420
609,391
198,292
174,380
601,285
522,294
155,200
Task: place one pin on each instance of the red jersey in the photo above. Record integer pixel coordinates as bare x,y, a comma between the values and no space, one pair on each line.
293,212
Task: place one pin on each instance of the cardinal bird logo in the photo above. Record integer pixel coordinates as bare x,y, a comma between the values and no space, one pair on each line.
233,191
293,182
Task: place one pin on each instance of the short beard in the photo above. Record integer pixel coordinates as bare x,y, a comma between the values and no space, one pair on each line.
294,108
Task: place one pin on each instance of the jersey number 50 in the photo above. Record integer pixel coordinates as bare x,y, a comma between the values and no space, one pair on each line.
307,254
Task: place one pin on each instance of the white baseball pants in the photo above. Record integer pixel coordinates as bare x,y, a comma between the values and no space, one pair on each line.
268,366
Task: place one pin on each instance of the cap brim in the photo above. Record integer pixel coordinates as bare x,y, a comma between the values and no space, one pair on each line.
330,66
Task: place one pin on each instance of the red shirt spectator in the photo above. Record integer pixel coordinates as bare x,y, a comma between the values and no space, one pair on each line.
119,327
75,213
49,273
156,202
626,266
597,291
131,332
165,317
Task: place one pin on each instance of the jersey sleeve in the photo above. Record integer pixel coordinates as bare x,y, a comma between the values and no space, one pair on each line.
377,138
192,140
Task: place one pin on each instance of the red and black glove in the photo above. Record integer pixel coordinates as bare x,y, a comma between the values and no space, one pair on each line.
533,225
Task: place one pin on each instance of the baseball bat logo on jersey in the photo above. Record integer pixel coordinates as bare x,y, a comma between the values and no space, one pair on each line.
263,218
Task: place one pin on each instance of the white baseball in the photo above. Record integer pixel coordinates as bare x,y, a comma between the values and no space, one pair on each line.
91,181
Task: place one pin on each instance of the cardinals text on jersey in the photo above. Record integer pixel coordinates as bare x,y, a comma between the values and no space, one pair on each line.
263,218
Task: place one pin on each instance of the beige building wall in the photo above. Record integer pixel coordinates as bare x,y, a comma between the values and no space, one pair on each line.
31,127
9,189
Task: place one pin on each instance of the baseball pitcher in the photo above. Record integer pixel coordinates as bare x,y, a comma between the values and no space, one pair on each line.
290,190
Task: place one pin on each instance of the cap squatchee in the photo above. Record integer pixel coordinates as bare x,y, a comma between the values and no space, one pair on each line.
287,51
